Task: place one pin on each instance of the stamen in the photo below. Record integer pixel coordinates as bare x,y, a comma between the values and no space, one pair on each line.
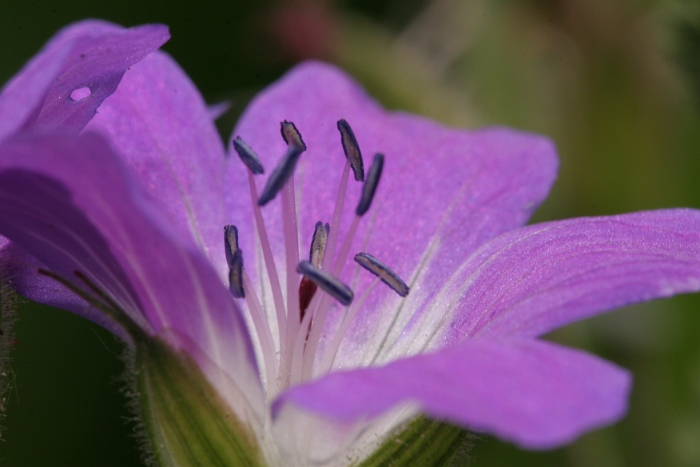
291,248
291,135
328,283
234,258
352,149
264,334
230,242
280,175
353,159
238,282
301,328
299,348
235,275
368,190
370,186
383,272
335,222
307,288
318,309
318,244
285,169
291,253
248,156
280,308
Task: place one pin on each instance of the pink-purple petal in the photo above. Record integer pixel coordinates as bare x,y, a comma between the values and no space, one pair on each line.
38,97
21,268
39,214
218,109
162,128
481,183
93,68
536,279
86,55
71,203
443,193
534,393
25,92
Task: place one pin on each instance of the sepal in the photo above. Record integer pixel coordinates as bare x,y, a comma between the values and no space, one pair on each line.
186,422
423,443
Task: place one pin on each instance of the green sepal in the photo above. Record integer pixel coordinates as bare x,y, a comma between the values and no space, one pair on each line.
423,443
185,420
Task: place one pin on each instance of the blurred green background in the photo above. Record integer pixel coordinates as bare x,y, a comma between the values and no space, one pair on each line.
616,83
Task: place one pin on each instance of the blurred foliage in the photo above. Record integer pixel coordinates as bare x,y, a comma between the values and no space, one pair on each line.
689,51
615,83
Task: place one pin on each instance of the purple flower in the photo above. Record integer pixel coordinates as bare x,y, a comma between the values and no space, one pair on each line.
124,223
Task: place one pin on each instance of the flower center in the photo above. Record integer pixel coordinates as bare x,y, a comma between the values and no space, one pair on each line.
292,357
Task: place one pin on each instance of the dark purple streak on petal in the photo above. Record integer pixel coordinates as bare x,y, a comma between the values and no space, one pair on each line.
89,53
71,203
38,214
23,269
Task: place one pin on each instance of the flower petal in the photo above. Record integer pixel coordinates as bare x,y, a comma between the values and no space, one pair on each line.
544,276
90,54
534,393
479,184
160,124
443,193
71,203
22,270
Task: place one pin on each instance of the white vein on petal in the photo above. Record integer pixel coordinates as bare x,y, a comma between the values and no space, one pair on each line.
192,219
432,247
